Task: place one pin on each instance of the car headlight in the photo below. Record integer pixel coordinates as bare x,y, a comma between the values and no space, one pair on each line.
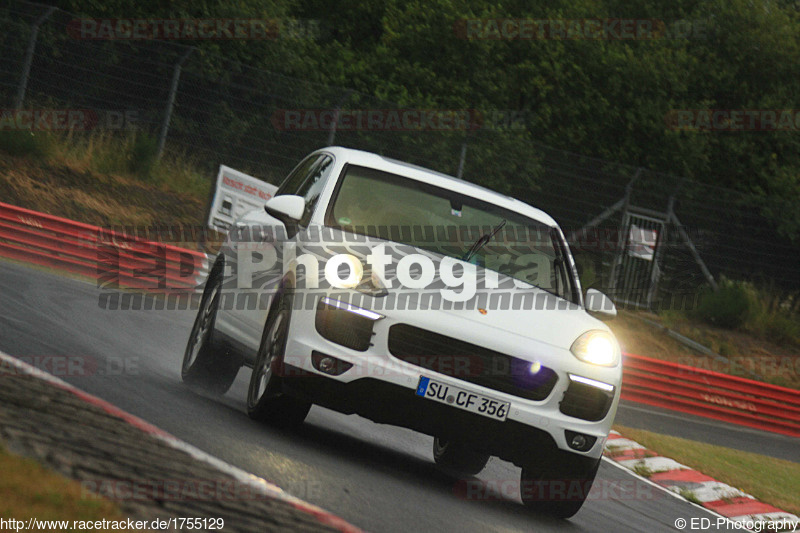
597,347
358,278
355,271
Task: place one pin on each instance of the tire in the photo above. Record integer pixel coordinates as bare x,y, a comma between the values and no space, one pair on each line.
559,488
457,458
266,401
205,366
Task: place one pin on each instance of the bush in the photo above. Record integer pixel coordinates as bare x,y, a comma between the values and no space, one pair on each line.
739,305
730,306
26,143
777,326
144,155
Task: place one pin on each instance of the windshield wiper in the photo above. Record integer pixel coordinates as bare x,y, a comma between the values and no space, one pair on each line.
481,242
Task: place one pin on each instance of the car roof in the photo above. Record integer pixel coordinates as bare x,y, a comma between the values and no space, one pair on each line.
386,164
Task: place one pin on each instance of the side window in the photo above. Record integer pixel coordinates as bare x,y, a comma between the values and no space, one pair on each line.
298,176
312,188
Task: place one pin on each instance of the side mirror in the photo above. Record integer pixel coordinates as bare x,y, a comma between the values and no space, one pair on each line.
599,304
287,208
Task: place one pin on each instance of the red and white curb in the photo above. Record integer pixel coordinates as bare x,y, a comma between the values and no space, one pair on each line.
722,499
258,484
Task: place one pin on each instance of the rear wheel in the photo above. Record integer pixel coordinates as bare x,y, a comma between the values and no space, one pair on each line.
559,487
204,364
456,457
266,402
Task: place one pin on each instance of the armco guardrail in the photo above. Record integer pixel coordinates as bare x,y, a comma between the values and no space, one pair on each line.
110,257
710,394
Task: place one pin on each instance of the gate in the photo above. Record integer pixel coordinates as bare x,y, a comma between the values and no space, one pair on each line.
636,263
636,268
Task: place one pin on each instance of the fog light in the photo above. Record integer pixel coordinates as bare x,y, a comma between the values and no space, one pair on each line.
328,364
580,442
535,367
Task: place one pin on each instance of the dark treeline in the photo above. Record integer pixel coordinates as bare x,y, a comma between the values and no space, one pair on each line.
616,98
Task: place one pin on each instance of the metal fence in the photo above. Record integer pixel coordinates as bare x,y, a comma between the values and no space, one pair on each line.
648,238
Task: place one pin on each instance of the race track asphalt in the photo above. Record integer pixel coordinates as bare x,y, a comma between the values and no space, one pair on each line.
378,477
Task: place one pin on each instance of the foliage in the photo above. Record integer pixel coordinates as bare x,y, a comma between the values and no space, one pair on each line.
26,143
143,154
690,495
605,98
741,305
129,155
728,307
29,489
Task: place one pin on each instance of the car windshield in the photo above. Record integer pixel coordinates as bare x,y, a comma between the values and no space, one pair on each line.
387,206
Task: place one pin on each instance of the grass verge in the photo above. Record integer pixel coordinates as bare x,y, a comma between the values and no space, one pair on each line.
746,355
771,480
29,490
130,154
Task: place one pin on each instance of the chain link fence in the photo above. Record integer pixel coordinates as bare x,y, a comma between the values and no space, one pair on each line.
645,237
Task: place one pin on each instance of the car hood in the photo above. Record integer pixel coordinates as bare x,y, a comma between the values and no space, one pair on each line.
512,306
541,317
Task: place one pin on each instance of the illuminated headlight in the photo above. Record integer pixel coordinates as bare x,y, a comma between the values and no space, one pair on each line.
357,278
355,271
597,347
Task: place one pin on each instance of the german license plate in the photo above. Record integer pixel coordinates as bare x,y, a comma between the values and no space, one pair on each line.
462,399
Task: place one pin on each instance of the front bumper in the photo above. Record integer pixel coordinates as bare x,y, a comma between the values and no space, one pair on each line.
382,388
387,403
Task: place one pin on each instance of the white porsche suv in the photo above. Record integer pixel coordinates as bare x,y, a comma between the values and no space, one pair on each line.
378,288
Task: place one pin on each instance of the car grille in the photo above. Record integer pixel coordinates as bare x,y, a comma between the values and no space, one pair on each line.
586,402
469,362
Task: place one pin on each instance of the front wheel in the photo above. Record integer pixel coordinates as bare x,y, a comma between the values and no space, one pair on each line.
559,487
456,457
204,365
266,401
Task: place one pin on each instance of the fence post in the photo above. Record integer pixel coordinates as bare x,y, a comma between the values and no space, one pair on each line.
623,237
661,241
176,76
462,160
695,254
581,233
26,67
332,132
